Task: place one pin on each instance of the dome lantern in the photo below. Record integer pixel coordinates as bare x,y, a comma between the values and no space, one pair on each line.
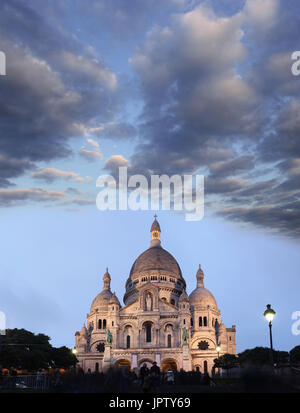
106,280
155,233
200,277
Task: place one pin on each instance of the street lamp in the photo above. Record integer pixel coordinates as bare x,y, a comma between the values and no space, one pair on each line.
74,351
269,315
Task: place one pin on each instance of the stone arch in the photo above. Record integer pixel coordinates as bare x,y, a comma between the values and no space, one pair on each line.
147,361
168,364
148,331
128,335
169,335
95,344
123,362
211,342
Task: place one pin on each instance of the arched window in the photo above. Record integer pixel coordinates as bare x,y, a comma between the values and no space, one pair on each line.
169,340
104,323
112,323
205,321
128,342
192,322
148,332
205,366
172,301
99,324
200,321
184,321
97,367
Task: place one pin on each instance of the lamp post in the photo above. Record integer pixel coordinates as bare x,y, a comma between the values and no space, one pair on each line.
269,315
74,351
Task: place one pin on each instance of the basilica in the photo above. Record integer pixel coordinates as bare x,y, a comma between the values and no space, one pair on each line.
159,321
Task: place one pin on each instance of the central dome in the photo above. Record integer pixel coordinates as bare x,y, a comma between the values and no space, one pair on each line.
156,258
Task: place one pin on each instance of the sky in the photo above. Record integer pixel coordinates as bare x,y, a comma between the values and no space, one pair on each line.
169,87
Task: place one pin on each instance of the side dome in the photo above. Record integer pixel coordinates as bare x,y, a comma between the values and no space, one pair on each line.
103,298
200,295
156,258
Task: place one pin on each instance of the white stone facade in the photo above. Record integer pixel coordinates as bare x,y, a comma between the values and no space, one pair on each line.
149,326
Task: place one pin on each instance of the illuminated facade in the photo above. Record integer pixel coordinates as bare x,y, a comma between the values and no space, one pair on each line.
156,312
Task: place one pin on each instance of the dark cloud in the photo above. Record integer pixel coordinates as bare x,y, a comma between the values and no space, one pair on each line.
12,167
55,87
284,219
233,166
210,81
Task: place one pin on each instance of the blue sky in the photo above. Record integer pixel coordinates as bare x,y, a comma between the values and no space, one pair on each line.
175,87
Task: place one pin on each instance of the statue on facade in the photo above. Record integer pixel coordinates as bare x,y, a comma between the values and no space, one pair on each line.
108,337
149,302
185,335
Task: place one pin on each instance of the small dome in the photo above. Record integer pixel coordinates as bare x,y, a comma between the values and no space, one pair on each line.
101,300
202,296
183,297
114,300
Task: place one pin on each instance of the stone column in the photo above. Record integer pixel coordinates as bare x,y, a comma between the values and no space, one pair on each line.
107,358
186,358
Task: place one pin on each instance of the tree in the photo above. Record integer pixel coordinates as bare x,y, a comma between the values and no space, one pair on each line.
255,356
22,349
25,350
63,357
226,362
295,355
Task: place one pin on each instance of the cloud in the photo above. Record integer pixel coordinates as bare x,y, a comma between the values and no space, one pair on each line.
213,82
232,166
54,88
262,14
284,219
49,175
90,156
114,162
93,143
82,201
11,168
114,130
9,197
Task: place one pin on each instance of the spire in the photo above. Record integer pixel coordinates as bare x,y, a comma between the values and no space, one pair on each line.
200,277
106,280
155,233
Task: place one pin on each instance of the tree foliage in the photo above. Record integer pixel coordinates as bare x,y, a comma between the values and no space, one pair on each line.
295,355
226,361
25,350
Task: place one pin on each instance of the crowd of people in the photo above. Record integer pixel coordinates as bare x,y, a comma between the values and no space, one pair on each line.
147,379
